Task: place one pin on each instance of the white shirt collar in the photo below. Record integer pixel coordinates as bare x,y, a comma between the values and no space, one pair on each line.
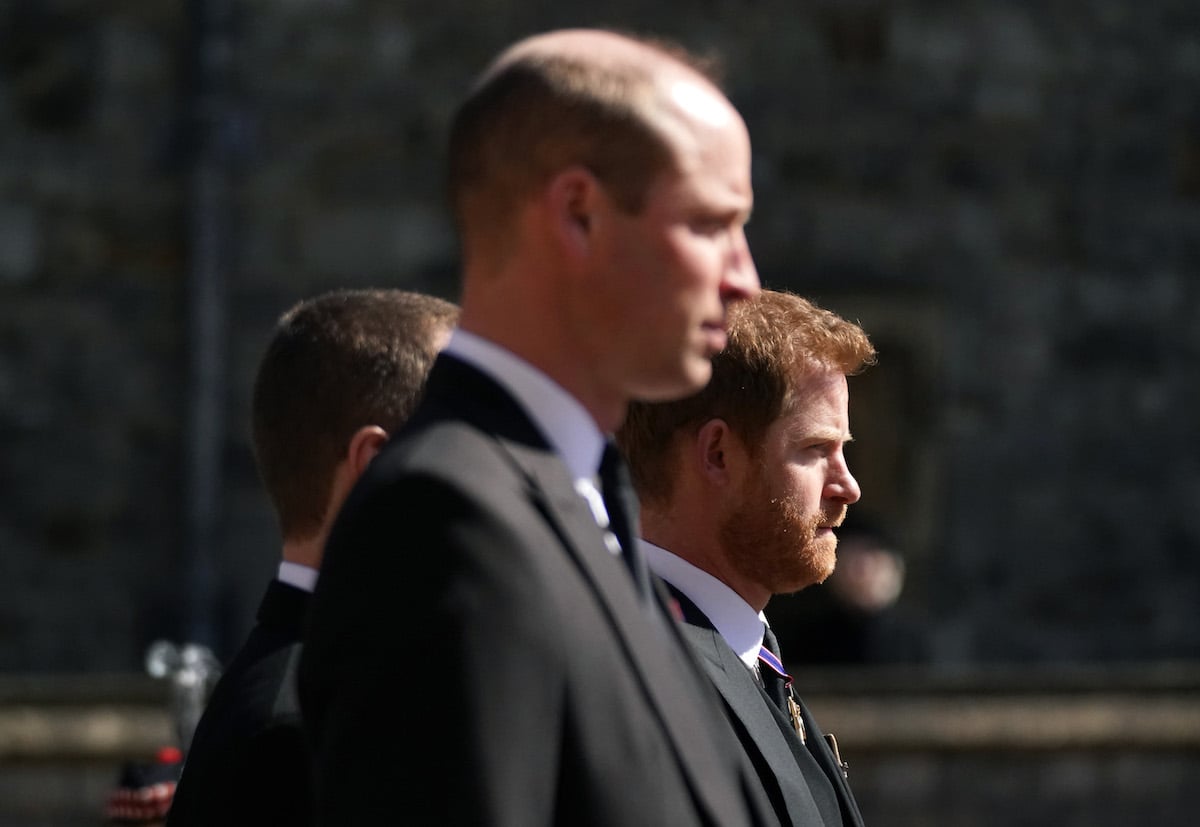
294,574
564,422
733,618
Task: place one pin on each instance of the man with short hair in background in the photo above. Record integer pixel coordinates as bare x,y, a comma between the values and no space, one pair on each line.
342,372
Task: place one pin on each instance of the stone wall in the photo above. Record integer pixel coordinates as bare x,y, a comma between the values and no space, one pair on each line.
1035,748
1006,193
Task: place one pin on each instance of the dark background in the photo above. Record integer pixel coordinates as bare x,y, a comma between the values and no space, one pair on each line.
1006,193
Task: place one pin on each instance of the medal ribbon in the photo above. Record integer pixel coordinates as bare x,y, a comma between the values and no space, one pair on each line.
768,657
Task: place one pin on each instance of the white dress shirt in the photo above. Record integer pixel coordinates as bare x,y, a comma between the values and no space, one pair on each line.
294,574
733,618
563,421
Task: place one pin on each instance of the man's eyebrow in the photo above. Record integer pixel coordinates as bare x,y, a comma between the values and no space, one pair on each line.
823,434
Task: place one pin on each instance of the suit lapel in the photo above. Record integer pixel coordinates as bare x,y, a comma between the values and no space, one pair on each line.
283,608
823,755
646,639
745,701
665,679
806,792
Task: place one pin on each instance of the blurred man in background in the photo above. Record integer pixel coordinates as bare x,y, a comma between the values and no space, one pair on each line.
342,372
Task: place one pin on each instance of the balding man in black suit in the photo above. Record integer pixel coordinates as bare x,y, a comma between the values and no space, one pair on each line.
485,646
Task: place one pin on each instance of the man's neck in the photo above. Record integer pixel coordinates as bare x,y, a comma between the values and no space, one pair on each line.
305,552
541,341
697,543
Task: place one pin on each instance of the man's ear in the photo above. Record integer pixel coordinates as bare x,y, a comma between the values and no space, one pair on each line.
364,445
713,445
571,197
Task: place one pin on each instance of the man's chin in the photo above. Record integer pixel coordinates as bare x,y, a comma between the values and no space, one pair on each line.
819,564
691,378
809,573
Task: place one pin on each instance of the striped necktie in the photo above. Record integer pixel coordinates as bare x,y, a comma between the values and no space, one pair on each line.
777,682
775,678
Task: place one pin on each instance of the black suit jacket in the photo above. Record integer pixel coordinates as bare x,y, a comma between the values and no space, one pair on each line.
248,762
477,657
804,781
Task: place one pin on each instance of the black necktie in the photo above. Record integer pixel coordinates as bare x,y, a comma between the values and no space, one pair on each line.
621,503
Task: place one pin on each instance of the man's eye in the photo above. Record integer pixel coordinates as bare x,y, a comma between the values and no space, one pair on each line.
709,226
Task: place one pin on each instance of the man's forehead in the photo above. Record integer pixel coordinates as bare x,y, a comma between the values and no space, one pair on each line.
818,401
